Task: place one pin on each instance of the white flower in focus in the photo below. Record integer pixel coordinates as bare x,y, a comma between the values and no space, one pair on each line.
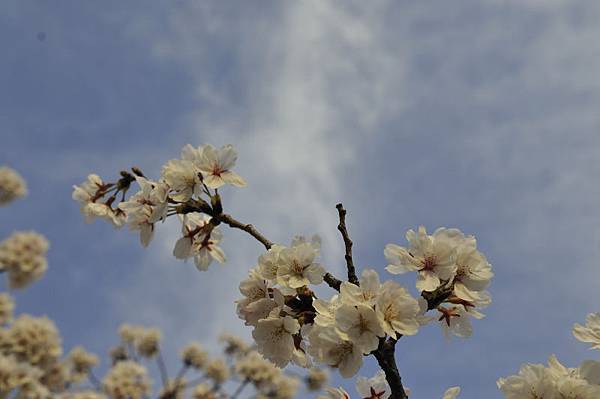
590,333
366,293
274,338
326,311
256,303
182,176
199,240
361,325
297,267
268,263
451,393
374,387
534,381
433,257
473,271
397,310
91,191
12,185
146,207
216,166
334,348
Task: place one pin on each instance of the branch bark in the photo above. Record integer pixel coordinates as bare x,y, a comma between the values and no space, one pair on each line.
332,281
248,228
385,355
348,244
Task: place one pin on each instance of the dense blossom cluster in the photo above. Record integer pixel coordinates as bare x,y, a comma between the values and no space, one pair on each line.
32,365
290,323
184,188
557,381
12,185
23,257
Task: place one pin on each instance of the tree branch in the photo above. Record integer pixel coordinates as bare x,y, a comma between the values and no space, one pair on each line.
348,244
385,355
248,228
332,281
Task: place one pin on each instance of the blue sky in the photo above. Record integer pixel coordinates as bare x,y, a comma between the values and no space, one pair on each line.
481,115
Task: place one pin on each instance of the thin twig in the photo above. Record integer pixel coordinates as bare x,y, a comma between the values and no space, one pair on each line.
248,228
94,381
240,388
164,376
181,373
348,244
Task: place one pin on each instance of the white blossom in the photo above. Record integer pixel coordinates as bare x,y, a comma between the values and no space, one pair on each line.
374,387
183,178
297,267
451,393
534,381
12,185
216,165
146,207
91,191
326,311
473,271
361,325
274,338
589,333
397,310
268,263
334,348
366,293
200,240
432,257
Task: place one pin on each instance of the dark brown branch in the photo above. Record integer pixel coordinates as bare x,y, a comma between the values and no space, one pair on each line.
385,355
332,281
436,298
248,228
348,244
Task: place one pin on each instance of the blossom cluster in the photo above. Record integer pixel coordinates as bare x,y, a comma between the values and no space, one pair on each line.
32,365
376,387
23,257
557,381
292,325
12,185
187,187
